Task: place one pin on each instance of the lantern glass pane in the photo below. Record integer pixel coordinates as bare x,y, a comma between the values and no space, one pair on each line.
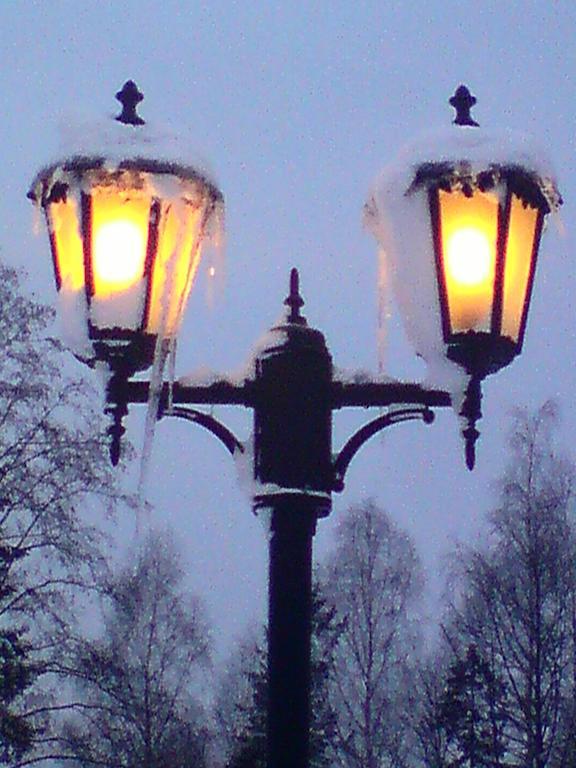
469,230
519,254
66,242
179,244
119,240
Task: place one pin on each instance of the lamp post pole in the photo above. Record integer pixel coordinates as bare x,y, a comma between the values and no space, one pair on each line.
293,393
293,464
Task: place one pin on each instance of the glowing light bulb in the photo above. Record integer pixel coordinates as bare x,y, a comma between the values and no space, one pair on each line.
119,251
469,256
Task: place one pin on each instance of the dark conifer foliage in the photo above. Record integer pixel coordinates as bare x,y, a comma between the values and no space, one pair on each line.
472,712
16,676
243,694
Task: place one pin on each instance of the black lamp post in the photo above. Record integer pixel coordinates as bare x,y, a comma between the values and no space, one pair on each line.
292,393
133,311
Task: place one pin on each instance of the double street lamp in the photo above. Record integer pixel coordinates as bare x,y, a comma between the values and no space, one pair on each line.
461,232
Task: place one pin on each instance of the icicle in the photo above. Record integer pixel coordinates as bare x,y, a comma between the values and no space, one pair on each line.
384,309
211,286
161,353
154,395
558,222
217,267
171,372
207,212
37,220
165,347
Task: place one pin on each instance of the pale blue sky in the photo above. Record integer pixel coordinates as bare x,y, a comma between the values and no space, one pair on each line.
297,105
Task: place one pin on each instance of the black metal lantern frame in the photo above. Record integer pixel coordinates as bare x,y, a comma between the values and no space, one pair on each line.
125,351
483,352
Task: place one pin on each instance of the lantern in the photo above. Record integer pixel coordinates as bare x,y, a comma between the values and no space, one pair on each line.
126,238
475,246
486,231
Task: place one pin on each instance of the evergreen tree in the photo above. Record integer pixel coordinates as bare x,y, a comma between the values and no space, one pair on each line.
248,750
471,712
242,706
328,628
16,733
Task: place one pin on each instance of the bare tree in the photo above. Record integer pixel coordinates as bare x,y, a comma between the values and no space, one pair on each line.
374,578
517,595
53,464
139,683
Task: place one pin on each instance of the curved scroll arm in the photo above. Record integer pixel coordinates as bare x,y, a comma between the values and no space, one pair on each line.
343,459
226,437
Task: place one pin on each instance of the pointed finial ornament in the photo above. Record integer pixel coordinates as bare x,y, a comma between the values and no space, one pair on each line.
129,97
117,411
463,101
294,301
471,412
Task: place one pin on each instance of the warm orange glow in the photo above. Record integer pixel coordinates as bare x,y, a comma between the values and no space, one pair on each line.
522,230
469,237
119,240
118,248
468,257
64,222
176,264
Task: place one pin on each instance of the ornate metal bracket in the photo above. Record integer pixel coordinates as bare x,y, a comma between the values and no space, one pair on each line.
121,392
219,430
343,459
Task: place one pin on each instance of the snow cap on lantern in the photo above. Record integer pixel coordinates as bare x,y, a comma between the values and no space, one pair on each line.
458,219
127,221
